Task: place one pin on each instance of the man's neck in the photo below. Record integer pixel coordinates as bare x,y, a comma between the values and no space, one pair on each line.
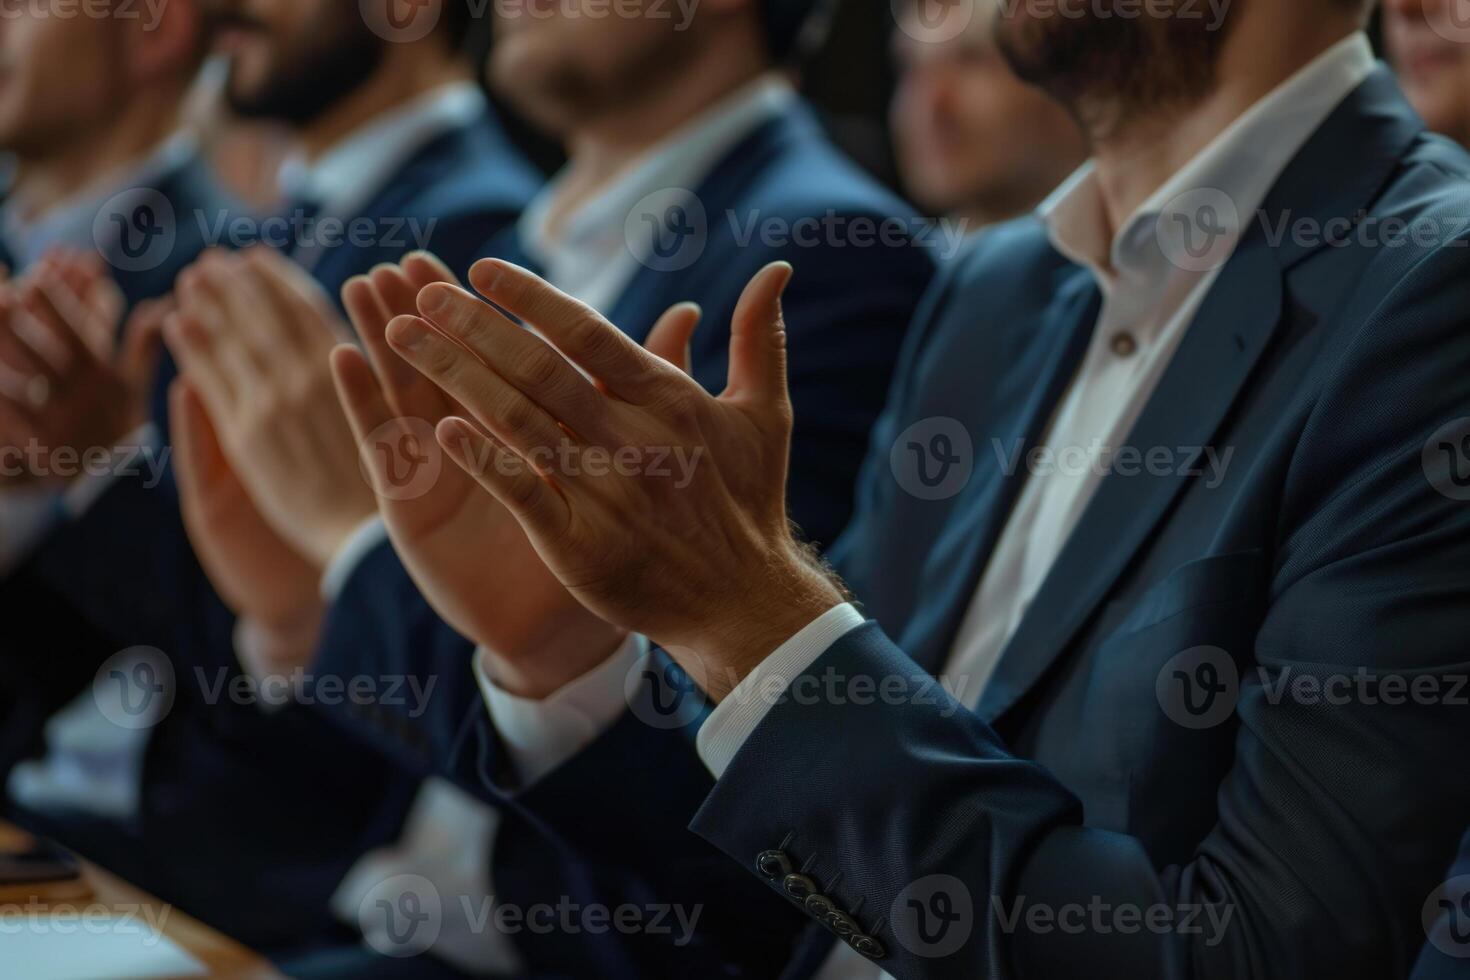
135,133
604,147
398,81
1138,158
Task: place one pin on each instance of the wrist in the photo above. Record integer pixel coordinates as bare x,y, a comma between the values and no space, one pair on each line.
784,604
555,662
279,643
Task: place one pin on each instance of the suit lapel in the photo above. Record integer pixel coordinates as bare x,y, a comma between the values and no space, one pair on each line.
1201,383
1234,326
1038,380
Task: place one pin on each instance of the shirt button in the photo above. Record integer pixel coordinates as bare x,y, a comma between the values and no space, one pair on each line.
1124,345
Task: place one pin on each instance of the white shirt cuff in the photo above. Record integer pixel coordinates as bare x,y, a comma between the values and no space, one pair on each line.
364,538
731,723
541,736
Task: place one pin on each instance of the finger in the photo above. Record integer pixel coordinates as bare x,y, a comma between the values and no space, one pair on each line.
190,343
507,413
522,359
254,332
758,340
198,457
426,268
576,329
204,304
306,311
142,344
671,336
383,295
531,498
51,306
372,420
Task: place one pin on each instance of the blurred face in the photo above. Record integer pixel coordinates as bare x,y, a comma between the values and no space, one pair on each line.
969,135
294,59
1429,42
563,62
60,77
1110,64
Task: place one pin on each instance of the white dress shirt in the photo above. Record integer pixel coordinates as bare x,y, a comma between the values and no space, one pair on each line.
1149,302
590,257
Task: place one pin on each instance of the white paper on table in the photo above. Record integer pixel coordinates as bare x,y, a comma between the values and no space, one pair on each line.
42,947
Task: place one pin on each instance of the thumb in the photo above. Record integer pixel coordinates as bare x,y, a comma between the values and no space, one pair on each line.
758,340
670,336
368,412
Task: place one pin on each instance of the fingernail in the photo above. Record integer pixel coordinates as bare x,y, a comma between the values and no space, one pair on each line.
407,332
433,299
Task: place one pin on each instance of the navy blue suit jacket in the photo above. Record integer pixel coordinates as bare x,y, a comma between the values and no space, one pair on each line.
1177,723
258,832
1178,731
846,310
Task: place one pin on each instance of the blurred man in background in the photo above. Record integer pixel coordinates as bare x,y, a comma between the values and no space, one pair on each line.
1429,44
397,150
974,143
692,164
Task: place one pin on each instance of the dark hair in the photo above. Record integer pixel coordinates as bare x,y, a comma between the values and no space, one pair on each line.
796,29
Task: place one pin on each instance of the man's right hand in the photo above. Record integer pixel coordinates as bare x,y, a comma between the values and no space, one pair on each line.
465,552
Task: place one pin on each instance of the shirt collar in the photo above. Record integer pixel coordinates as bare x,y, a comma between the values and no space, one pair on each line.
681,160
1232,175
344,178
70,224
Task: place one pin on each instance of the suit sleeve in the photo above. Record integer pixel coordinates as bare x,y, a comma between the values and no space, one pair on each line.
1334,820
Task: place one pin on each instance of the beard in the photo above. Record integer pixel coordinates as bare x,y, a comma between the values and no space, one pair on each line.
314,72
1107,70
